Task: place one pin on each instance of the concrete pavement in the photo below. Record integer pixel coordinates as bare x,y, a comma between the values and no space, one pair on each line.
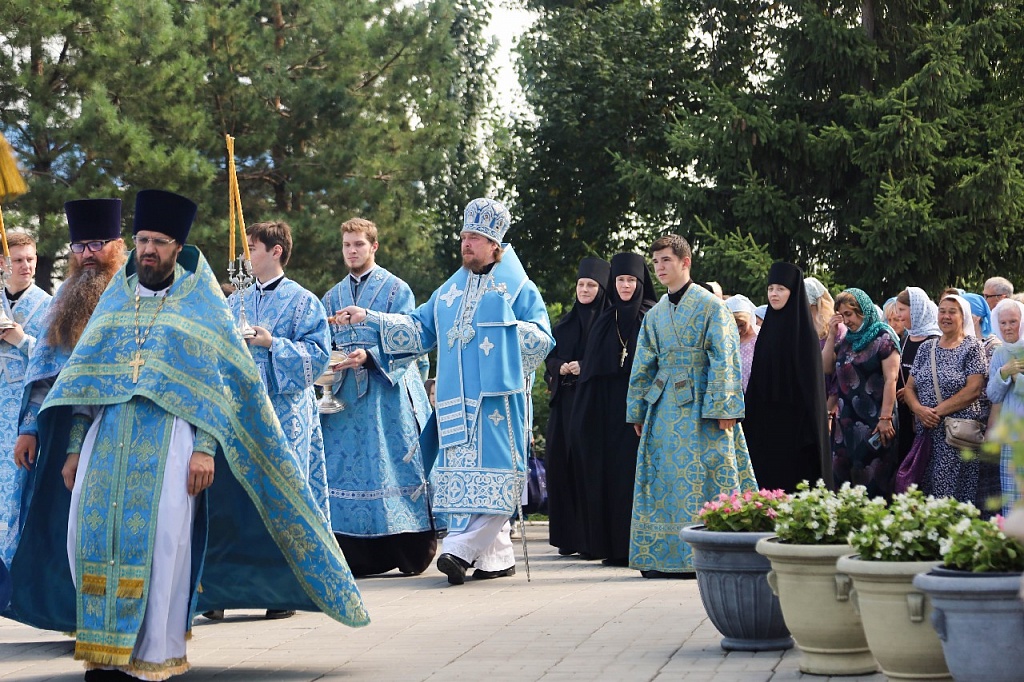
576,620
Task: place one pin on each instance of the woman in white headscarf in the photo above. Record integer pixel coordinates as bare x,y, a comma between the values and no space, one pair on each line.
743,312
919,316
1006,389
823,307
960,371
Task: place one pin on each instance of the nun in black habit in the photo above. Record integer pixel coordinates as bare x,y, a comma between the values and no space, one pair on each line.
563,366
786,417
604,443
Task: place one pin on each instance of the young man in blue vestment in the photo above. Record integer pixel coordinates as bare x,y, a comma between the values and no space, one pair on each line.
380,507
291,349
26,306
160,387
491,331
685,398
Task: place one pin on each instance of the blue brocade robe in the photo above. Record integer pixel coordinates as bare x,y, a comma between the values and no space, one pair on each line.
491,332
686,376
259,539
30,312
375,466
298,355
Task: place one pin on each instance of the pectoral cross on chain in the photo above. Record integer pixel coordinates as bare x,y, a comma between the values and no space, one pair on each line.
136,364
622,357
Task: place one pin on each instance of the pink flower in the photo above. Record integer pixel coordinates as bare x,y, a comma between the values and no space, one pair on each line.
998,520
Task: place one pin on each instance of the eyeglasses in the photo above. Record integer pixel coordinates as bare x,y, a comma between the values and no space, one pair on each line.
988,296
155,241
79,247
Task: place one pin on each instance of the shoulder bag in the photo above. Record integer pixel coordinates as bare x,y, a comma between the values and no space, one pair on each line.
966,434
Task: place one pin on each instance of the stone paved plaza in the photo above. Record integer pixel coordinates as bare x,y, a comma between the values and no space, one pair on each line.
576,620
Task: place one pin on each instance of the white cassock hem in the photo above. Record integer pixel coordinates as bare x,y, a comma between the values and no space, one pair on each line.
162,634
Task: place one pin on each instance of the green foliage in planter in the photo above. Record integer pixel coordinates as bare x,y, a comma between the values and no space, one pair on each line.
750,511
910,528
819,516
982,547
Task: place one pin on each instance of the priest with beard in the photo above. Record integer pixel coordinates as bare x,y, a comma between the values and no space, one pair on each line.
161,386
97,253
600,432
563,365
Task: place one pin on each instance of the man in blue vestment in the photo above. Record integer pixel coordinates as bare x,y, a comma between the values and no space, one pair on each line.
25,305
491,331
685,398
379,500
96,254
291,350
161,386
380,506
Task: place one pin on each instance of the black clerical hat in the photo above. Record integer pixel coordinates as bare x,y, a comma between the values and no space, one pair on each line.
93,219
164,212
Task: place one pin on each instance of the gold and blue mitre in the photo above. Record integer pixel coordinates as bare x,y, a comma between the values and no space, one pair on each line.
487,217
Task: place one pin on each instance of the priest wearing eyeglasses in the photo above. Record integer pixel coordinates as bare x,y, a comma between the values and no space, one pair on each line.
97,252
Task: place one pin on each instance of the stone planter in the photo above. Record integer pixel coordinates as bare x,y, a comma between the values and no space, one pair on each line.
733,583
817,608
980,621
896,617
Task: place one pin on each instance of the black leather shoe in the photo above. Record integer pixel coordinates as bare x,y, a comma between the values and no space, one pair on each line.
217,614
684,575
99,675
566,552
453,567
615,562
480,574
278,614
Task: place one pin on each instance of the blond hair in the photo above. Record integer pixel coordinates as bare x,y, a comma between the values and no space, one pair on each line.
360,225
822,311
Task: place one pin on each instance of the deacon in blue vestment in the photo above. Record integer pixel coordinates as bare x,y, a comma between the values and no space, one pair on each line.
291,348
491,331
685,397
380,507
162,386
97,252
25,305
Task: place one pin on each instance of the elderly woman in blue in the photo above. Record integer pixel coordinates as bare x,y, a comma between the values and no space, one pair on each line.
1006,390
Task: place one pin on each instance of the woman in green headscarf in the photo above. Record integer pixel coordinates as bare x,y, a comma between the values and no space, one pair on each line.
866,362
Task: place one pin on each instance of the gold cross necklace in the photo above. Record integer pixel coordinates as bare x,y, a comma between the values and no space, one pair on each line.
625,352
140,339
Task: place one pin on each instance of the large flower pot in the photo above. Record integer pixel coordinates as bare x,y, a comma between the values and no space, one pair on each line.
895,616
817,608
980,621
733,583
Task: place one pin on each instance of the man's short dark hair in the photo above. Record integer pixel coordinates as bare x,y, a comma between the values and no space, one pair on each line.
680,247
271,234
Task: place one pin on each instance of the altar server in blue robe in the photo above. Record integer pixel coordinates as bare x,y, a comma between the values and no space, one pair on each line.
161,387
25,305
685,397
491,331
380,507
291,348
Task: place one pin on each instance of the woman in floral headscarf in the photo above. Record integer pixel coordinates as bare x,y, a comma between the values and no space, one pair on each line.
866,363
1006,391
